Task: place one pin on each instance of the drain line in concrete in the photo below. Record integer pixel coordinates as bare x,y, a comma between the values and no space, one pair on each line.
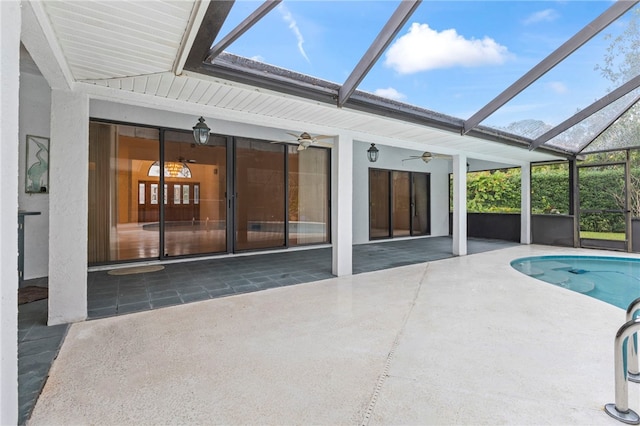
385,371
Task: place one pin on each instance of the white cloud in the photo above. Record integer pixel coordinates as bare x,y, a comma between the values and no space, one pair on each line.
423,49
547,15
258,58
288,18
558,87
390,93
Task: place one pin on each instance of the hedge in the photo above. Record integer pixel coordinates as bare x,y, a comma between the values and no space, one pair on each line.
600,189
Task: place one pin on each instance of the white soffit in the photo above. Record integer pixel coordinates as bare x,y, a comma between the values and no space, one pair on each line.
214,94
102,40
132,46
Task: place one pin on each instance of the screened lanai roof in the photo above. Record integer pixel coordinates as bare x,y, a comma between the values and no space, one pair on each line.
551,74
545,75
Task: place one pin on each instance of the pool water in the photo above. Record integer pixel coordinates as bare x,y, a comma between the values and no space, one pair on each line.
614,280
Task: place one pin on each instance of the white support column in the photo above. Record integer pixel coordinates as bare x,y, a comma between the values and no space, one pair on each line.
525,204
10,19
460,205
68,207
342,205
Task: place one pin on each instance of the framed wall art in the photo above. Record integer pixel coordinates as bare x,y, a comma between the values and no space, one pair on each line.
37,165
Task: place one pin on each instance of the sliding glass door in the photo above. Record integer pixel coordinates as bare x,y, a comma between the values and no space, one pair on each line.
119,207
398,204
154,193
308,186
401,204
195,184
379,208
260,194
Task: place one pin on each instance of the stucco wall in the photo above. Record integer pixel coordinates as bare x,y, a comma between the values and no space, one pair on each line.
35,119
35,113
9,97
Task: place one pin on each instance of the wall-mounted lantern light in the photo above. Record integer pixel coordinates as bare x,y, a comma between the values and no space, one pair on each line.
372,153
201,132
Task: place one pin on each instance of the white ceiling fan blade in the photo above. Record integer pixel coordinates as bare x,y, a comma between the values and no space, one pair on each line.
323,144
285,142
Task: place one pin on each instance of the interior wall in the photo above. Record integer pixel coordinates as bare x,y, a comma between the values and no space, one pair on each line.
392,159
35,115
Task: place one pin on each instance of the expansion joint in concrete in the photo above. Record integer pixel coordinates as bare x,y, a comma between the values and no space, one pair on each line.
387,365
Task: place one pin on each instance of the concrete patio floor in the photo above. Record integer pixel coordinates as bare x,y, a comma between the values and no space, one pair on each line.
465,340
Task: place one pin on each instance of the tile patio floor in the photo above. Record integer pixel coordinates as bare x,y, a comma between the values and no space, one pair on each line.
191,281
460,341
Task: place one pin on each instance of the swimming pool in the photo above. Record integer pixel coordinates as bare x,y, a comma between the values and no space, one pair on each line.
615,280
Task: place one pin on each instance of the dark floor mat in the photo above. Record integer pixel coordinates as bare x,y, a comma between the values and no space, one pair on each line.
31,294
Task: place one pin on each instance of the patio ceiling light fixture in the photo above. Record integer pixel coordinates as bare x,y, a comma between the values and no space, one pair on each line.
201,132
372,153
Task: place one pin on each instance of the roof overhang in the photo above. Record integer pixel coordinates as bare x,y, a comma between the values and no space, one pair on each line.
101,54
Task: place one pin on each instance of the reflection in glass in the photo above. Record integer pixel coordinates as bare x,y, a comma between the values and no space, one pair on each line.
420,197
308,202
119,207
200,226
401,204
260,201
379,203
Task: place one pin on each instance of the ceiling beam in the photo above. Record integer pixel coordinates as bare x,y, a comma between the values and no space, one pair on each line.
38,37
195,20
391,28
607,99
214,18
616,10
243,27
610,123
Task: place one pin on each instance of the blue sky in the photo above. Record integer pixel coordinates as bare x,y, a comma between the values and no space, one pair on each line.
451,56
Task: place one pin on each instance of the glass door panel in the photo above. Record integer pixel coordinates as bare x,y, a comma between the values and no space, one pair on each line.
121,193
194,195
401,204
379,204
420,205
260,194
308,186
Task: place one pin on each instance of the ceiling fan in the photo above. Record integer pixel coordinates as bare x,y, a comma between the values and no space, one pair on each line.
426,156
304,140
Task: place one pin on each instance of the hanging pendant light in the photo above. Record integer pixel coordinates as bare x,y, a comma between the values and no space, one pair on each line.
201,132
372,153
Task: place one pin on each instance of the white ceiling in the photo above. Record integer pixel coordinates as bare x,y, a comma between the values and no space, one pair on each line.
133,47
